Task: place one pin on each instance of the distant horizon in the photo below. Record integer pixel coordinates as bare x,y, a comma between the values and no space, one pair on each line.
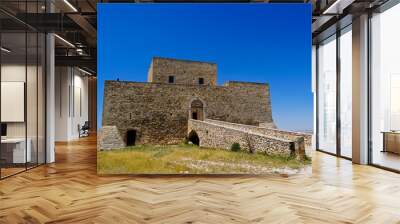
285,66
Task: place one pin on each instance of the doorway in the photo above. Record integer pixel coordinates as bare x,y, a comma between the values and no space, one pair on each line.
197,110
194,138
130,137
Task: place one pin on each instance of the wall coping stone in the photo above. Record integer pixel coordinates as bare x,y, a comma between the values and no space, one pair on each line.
252,126
224,86
182,60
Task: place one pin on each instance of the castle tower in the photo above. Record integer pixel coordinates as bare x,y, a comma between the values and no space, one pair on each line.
174,71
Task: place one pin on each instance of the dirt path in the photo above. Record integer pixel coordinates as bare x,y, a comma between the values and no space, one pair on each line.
239,168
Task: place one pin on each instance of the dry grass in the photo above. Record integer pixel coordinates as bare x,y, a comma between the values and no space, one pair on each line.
172,159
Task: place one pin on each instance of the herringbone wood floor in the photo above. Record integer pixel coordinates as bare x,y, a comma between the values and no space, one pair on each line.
69,191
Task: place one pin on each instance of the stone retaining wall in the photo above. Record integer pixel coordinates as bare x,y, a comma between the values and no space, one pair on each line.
288,135
213,135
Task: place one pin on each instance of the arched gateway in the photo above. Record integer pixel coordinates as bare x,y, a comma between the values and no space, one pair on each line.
196,111
194,138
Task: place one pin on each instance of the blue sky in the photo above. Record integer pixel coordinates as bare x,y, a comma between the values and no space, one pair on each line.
249,42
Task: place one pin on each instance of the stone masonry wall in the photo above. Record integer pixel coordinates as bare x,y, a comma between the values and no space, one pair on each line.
288,135
109,138
185,71
268,131
213,135
159,112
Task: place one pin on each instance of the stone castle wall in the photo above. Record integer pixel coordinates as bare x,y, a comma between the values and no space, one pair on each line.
109,138
159,112
184,71
222,135
288,135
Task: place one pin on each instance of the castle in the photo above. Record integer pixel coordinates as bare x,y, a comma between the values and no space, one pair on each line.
178,93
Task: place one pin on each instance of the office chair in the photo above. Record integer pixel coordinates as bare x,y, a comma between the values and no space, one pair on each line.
84,130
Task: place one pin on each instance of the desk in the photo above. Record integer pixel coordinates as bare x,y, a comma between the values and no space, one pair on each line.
13,150
391,141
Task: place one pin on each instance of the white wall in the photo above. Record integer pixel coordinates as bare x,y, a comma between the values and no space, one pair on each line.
71,94
80,112
62,82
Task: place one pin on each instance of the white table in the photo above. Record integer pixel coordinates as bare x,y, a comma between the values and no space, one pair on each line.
18,148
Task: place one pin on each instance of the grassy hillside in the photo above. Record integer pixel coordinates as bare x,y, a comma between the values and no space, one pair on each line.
171,159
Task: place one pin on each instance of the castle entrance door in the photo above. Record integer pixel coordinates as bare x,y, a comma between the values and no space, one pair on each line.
197,110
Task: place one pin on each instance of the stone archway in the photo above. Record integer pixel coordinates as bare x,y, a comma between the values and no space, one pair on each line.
196,111
194,138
